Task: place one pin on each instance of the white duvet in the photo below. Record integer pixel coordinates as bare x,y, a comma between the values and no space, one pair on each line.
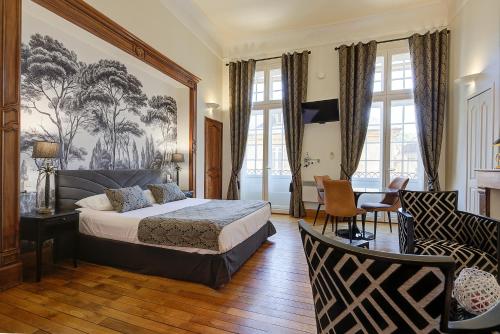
123,226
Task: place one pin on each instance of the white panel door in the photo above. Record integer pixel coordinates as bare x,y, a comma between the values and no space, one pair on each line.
480,138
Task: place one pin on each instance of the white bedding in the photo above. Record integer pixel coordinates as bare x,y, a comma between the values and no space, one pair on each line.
123,226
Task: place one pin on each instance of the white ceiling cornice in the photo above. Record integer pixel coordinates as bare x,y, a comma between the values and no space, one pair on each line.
391,24
189,14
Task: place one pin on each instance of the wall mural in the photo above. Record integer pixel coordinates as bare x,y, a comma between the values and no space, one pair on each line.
98,111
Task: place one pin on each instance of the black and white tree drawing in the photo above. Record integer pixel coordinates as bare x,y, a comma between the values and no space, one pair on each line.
49,77
111,95
97,110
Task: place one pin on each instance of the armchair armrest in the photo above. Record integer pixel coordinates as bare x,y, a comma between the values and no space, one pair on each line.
484,323
406,232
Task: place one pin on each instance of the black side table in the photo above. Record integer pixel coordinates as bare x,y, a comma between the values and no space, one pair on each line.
41,227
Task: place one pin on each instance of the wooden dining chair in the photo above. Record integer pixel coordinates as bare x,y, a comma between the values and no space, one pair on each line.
339,203
318,181
390,202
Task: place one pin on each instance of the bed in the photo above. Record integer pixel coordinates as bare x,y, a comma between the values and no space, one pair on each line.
111,238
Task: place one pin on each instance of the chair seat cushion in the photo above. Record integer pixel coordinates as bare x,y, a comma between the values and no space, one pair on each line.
464,256
375,206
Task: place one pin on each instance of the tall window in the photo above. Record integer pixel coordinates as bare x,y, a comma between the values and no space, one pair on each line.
266,172
391,145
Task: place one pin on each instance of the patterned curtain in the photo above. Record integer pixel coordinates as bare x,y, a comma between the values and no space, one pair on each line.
241,76
429,55
357,72
294,81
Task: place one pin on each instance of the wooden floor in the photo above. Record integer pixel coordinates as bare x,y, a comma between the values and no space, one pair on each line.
269,294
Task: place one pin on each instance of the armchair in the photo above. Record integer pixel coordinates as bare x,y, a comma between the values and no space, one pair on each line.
430,224
356,290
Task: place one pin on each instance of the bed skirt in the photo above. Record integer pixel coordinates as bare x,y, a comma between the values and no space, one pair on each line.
213,270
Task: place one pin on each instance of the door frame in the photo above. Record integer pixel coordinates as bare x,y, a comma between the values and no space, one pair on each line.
211,120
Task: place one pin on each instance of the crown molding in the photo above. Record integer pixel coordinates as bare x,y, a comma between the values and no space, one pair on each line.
192,17
418,18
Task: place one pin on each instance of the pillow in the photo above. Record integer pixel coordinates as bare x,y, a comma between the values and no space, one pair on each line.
96,202
166,192
149,196
127,199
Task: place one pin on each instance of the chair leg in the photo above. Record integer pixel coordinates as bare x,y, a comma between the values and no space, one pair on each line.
317,212
326,223
375,224
389,217
350,230
363,221
337,226
333,222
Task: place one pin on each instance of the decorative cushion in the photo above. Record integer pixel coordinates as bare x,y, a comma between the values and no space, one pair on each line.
464,256
97,202
127,199
166,192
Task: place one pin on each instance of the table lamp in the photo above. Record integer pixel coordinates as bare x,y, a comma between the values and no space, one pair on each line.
177,158
497,157
47,151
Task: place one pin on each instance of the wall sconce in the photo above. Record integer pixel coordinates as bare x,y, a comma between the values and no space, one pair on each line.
308,161
470,78
212,106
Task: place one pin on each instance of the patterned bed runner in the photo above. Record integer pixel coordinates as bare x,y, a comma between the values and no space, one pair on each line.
196,226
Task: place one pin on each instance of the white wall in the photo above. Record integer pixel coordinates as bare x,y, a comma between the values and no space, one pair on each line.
322,141
157,26
475,48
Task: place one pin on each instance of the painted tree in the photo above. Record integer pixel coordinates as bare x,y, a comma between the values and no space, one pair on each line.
162,112
49,83
100,159
111,95
135,156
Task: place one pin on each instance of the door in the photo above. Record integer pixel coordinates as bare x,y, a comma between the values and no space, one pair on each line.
265,174
480,138
213,159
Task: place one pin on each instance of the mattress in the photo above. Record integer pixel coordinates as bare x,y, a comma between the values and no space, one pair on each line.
123,226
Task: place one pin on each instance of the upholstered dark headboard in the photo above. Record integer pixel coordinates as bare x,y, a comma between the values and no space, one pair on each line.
73,185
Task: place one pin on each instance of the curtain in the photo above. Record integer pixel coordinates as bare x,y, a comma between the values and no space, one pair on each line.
429,56
241,76
357,72
294,80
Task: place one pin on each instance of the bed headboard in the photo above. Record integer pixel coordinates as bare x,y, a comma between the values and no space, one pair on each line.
73,185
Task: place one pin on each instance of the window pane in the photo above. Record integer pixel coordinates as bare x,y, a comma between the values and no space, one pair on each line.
378,84
404,150
401,73
369,172
258,87
275,84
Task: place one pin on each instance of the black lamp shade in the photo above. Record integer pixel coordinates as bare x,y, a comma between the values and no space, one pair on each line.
497,142
177,157
45,150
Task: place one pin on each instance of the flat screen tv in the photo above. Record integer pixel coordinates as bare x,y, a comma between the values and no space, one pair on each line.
320,111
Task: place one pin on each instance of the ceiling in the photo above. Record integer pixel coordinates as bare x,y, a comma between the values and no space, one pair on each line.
243,18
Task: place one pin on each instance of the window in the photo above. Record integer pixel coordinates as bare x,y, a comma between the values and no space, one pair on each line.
391,145
266,173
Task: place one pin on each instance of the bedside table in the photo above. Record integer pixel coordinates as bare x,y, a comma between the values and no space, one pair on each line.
39,228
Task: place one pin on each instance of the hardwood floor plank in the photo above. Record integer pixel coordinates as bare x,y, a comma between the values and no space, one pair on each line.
12,325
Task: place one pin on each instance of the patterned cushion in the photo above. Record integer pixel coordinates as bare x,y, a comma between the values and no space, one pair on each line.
464,256
166,192
127,199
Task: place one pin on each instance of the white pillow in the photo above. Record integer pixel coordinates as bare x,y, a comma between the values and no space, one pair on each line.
102,203
149,196
96,202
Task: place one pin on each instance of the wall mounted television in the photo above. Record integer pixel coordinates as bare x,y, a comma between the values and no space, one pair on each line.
320,111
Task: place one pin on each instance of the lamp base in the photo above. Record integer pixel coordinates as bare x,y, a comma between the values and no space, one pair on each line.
45,211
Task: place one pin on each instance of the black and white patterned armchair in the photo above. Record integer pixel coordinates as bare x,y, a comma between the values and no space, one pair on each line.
356,290
430,224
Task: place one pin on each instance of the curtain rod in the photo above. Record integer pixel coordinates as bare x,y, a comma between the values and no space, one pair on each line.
390,40
262,59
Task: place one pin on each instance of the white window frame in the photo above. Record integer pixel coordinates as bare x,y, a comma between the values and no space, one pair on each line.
386,96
